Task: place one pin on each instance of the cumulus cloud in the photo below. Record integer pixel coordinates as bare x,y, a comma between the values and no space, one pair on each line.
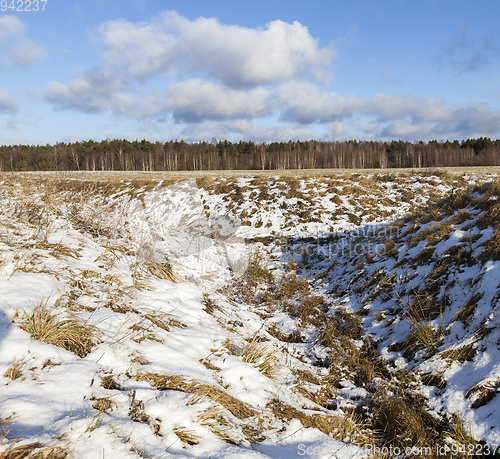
234,55
27,53
305,103
386,115
392,106
17,49
247,130
195,100
227,71
474,120
206,78
91,92
8,103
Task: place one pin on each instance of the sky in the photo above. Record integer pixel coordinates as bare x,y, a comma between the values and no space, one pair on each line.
248,70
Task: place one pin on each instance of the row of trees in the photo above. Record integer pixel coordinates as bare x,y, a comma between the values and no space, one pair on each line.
217,155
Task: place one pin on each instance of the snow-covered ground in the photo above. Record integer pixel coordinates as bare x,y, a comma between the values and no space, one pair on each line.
189,355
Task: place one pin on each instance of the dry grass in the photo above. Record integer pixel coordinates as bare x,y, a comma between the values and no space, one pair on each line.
159,270
290,285
162,382
103,405
341,324
463,445
424,256
375,278
402,420
292,337
147,337
434,379
209,305
44,324
15,369
187,436
348,428
108,382
34,451
256,271
264,358
210,415
165,321
423,334
491,250
307,310
139,359
460,354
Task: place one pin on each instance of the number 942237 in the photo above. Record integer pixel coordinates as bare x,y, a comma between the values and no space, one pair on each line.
23,5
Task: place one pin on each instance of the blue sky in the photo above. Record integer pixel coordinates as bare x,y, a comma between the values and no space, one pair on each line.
249,70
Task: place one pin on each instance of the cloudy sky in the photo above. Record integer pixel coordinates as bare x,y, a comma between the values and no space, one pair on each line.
249,70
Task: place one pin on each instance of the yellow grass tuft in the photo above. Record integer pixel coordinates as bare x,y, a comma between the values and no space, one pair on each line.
43,324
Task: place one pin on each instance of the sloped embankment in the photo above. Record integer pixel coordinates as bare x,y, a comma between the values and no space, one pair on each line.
423,292
149,343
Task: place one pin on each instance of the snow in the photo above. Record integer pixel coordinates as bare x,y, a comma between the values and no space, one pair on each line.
202,237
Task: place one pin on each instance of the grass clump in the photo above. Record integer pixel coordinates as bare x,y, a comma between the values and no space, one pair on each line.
256,271
307,310
209,305
402,421
290,285
15,370
461,443
467,310
33,451
491,250
346,428
108,382
163,382
103,405
265,359
44,324
293,337
424,256
423,335
186,436
159,270
460,354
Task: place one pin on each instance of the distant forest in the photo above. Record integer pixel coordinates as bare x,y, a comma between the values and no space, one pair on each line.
118,155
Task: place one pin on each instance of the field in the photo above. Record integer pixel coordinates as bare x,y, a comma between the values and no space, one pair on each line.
279,314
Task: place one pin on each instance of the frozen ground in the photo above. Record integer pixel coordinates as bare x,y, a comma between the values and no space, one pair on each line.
189,355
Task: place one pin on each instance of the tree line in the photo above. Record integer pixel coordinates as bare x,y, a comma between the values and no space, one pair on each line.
119,155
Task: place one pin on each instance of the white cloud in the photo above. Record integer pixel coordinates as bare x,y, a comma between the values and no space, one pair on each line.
195,100
305,103
233,80
10,26
91,92
400,105
404,129
386,115
8,103
16,48
27,53
235,130
234,55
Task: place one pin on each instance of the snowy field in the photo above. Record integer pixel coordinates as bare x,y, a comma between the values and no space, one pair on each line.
319,315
